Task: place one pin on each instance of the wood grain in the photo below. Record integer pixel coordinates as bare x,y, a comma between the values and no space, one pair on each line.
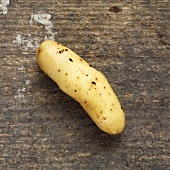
42,128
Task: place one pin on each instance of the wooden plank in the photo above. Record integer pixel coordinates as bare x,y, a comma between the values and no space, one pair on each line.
42,128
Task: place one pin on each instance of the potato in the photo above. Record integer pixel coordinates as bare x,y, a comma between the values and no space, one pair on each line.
83,83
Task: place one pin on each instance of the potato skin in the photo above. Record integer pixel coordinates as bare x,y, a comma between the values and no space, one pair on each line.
83,83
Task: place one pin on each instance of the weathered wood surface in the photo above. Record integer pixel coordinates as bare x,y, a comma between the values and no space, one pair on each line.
42,128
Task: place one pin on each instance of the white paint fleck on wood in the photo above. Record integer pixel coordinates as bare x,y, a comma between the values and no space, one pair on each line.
27,41
22,68
20,96
44,19
3,6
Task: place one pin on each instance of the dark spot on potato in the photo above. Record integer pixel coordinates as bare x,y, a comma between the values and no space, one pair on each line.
39,50
87,75
71,59
66,74
115,9
90,65
104,118
121,107
81,59
101,111
61,51
109,93
66,50
78,77
100,94
111,109
85,102
96,78
75,90
93,82
104,87
59,70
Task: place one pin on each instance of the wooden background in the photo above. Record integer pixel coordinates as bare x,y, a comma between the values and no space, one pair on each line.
42,128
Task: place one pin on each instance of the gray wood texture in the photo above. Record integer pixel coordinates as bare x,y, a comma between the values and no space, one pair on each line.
42,128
